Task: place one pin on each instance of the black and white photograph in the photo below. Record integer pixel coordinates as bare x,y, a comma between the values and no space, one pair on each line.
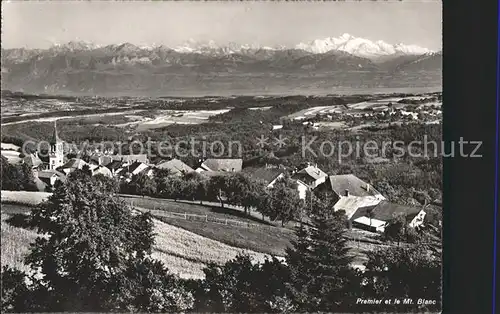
223,156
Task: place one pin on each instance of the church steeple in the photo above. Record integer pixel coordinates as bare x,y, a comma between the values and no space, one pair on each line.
56,157
55,138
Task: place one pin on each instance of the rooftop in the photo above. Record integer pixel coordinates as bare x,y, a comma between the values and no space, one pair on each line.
175,166
386,211
356,187
264,174
223,164
55,137
312,171
351,204
74,163
370,222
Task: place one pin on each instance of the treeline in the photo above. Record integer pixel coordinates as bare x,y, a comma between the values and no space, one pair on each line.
279,202
98,259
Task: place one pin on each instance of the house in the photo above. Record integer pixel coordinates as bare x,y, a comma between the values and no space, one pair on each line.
73,164
102,170
50,177
369,224
129,159
115,166
134,169
311,176
33,161
268,175
266,159
351,204
175,167
386,211
308,179
228,165
101,159
339,186
302,188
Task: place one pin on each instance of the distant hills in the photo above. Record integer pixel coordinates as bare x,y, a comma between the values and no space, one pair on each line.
84,68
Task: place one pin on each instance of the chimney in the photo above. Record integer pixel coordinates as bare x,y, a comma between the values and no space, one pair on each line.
346,192
368,188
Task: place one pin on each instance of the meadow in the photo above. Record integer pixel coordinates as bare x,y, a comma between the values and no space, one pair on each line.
259,236
184,253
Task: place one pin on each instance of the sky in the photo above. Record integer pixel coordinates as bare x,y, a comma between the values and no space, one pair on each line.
37,24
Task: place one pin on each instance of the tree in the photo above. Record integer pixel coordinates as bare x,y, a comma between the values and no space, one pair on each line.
161,177
399,230
199,185
241,285
96,256
174,188
241,190
217,187
321,278
281,202
194,186
142,184
16,177
404,272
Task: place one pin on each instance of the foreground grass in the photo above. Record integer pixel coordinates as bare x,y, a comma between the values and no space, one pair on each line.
190,208
259,237
15,242
184,253
272,241
23,197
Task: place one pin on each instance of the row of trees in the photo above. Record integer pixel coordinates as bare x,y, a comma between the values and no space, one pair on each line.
97,257
280,202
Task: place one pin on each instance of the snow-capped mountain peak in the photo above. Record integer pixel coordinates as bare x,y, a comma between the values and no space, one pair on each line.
75,45
360,47
211,47
357,46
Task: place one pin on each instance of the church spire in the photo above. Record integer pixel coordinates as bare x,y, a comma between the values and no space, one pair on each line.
55,138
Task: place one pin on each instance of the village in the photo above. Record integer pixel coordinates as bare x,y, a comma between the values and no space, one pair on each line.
364,206
245,158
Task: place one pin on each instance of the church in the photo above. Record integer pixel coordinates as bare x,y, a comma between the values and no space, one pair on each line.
56,154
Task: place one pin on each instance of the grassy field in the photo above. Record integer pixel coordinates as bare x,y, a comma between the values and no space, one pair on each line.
184,253
271,241
184,246
15,241
265,239
190,208
24,197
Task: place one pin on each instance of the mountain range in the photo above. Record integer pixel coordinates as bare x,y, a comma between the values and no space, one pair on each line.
346,61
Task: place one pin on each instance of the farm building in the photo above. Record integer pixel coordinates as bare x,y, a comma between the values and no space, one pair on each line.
311,176
50,177
268,175
115,166
386,211
369,224
134,169
228,165
339,186
175,167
